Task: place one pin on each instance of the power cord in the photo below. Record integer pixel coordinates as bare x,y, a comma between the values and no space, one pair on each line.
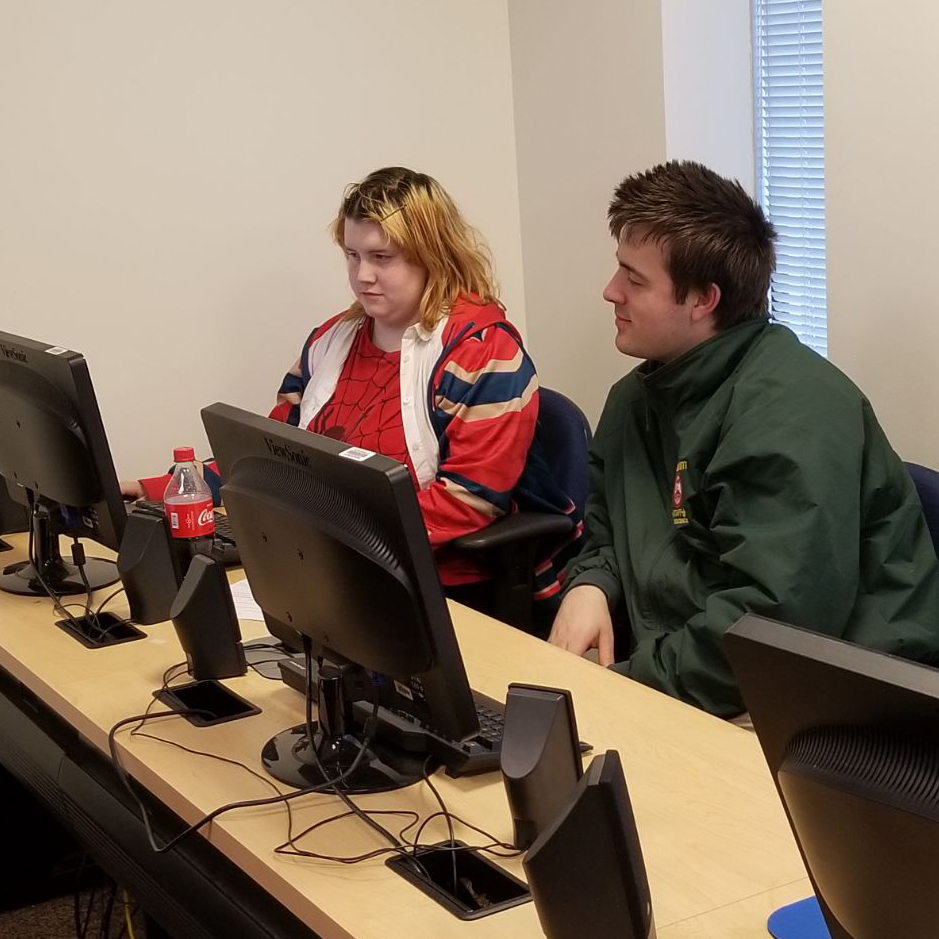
367,741
31,557
400,844
80,928
254,667
414,847
108,910
78,559
62,609
125,779
103,903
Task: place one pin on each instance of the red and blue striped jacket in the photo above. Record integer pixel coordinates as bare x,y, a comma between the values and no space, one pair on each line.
482,403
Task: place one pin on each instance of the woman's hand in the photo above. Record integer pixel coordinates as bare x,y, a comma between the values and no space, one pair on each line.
131,489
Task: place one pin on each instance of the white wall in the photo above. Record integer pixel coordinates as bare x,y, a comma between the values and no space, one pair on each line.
882,195
588,111
168,171
708,81
177,163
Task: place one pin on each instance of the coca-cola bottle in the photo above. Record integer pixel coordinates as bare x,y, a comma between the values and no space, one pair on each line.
187,502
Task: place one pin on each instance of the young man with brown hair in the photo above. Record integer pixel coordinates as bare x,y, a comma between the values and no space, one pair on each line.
735,470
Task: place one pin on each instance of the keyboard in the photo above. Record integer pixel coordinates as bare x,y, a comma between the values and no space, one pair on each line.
224,548
479,754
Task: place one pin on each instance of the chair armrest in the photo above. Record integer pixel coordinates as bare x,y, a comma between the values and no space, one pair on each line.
509,529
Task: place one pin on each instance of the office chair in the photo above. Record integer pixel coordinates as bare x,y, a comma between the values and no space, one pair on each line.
926,481
509,547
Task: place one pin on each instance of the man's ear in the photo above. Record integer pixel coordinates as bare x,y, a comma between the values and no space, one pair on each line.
706,302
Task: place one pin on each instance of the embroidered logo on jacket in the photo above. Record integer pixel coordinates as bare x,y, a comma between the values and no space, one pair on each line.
679,514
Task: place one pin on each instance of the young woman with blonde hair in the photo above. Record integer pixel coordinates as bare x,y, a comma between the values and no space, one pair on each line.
425,368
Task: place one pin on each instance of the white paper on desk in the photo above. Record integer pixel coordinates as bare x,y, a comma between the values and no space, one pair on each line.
246,607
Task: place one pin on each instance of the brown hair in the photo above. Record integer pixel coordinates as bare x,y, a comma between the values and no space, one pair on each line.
710,229
418,216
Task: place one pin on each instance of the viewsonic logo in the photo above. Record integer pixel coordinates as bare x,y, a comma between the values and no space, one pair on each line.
285,453
13,353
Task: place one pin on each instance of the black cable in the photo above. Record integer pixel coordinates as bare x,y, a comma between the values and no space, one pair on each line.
107,600
168,677
92,616
368,735
180,668
247,803
119,620
254,668
275,649
410,850
258,644
344,796
78,558
214,756
106,914
31,557
81,606
398,845
83,932
291,849
443,808
510,849
76,897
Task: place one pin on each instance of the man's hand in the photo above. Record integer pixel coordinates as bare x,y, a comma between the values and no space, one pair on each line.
584,622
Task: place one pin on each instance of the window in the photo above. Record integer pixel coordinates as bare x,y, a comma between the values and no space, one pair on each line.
790,158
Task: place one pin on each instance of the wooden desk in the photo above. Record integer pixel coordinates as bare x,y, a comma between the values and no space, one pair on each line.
717,846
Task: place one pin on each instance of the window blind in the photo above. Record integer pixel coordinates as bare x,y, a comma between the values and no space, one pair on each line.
790,158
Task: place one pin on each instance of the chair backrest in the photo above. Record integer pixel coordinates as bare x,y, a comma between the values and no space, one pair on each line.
564,433
926,481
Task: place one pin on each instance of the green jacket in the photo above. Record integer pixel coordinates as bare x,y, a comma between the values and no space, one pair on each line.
750,475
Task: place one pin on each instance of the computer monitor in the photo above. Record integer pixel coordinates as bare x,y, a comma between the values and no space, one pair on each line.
334,547
851,737
54,458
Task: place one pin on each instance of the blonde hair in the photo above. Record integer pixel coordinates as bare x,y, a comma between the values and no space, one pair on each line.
416,214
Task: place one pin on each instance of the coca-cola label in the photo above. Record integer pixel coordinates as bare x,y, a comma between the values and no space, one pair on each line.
191,519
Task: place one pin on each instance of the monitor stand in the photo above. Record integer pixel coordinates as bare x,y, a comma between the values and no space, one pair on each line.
56,575
337,741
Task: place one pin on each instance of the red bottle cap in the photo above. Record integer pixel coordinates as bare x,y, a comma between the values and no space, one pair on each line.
184,455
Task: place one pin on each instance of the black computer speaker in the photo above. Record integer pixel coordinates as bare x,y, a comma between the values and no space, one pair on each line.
585,870
540,758
148,567
204,616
